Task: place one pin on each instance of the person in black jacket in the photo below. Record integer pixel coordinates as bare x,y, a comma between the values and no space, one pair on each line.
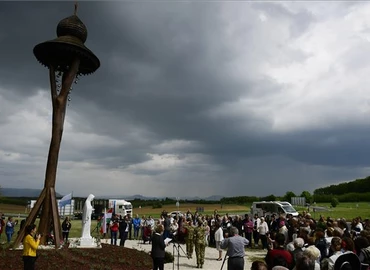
123,230
158,247
66,227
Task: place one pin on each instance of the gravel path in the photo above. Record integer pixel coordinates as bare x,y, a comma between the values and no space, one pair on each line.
210,262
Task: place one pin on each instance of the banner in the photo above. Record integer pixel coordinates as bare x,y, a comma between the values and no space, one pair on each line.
67,199
106,219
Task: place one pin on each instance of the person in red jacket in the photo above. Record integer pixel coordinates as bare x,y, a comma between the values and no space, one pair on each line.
113,227
279,255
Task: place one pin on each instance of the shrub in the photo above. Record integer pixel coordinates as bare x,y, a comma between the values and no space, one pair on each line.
157,205
334,202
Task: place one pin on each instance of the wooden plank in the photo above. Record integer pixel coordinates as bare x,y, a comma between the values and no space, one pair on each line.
31,217
56,221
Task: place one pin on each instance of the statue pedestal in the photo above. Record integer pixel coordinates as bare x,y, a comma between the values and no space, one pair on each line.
88,242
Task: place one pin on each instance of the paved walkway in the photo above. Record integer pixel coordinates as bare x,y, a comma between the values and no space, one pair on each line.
182,262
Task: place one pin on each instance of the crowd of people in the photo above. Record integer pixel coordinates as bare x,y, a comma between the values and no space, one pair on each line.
7,226
299,242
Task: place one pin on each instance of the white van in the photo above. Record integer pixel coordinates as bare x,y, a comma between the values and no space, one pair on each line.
273,207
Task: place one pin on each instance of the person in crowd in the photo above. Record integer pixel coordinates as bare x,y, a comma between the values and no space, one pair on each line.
174,228
147,234
259,265
365,256
314,254
271,240
293,229
136,222
143,224
256,224
124,227
30,245
248,229
336,247
320,243
298,249
150,221
189,236
207,232
113,227
167,226
273,224
200,242
279,255
2,224
66,227
348,245
129,222
263,229
283,229
219,237
9,229
305,263
212,231
238,223
235,245
361,242
158,248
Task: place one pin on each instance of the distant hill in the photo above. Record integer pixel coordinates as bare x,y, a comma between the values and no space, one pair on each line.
34,193
22,192
144,198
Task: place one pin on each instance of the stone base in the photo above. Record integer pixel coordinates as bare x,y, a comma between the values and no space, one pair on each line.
87,242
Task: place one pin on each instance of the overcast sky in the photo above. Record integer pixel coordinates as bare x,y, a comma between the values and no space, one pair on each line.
192,98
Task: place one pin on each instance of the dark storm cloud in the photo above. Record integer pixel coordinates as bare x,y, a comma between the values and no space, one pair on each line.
180,72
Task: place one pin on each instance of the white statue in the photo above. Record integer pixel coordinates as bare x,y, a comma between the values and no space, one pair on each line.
86,217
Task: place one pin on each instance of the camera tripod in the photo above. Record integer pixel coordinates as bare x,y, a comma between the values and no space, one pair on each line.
177,247
222,266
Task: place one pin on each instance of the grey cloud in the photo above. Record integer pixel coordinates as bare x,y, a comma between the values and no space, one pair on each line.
165,68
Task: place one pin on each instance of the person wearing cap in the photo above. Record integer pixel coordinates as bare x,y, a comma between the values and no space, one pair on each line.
235,245
199,242
189,236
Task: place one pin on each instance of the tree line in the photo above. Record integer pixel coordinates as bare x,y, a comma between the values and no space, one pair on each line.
356,186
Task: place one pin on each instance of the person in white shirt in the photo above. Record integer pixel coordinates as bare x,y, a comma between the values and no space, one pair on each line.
336,247
150,221
219,236
174,227
263,230
256,224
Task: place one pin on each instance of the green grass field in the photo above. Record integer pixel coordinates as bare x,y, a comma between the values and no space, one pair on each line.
344,210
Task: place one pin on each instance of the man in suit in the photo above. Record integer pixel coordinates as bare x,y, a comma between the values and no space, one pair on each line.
123,230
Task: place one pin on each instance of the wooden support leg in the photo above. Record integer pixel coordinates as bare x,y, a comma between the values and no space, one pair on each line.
31,217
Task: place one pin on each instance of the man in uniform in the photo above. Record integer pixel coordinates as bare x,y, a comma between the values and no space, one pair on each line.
235,245
189,237
200,243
